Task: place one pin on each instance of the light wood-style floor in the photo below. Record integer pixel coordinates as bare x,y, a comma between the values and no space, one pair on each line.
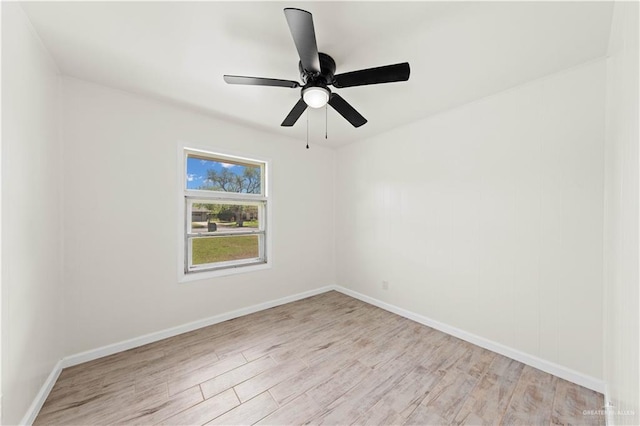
328,359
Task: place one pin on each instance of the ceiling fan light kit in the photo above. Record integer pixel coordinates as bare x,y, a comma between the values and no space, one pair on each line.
315,97
317,72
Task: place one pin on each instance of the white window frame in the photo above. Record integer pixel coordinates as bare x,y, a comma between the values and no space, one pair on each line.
188,197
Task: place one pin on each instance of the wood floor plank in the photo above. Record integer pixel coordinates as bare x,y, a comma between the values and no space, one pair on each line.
240,339
64,397
149,414
445,352
296,412
162,367
107,409
326,359
143,384
355,345
83,408
267,379
573,402
317,342
475,361
446,398
185,381
122,365
308,378
296,335
249,412
424,415
400,401
360,398
488,401
204,411
532,399
338,384
236,376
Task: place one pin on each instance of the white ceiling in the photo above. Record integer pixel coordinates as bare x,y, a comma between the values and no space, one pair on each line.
458,52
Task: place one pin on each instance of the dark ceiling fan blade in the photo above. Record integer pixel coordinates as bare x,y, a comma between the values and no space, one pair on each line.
346,110
259,81
295,113
304,36
385,74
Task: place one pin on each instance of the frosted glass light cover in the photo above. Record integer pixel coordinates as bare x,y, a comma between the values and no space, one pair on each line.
315,97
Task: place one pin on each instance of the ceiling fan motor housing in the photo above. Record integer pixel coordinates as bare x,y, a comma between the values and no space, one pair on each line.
327,71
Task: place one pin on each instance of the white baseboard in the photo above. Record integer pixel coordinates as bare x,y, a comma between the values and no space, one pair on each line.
531,360
42,395
174,331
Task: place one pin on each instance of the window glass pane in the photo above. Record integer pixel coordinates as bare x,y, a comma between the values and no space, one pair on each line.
222,217
223,249
227,176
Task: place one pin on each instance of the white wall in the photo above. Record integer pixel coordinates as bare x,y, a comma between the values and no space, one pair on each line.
121,216
488,217
622,317
32,330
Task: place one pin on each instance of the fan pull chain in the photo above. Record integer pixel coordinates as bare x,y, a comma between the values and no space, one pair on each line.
307,128
326,121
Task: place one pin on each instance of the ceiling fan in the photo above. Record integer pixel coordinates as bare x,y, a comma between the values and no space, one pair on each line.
317,72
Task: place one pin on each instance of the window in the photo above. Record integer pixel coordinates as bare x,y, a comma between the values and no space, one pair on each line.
225,203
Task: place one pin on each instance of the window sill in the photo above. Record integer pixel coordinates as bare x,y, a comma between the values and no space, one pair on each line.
204,275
